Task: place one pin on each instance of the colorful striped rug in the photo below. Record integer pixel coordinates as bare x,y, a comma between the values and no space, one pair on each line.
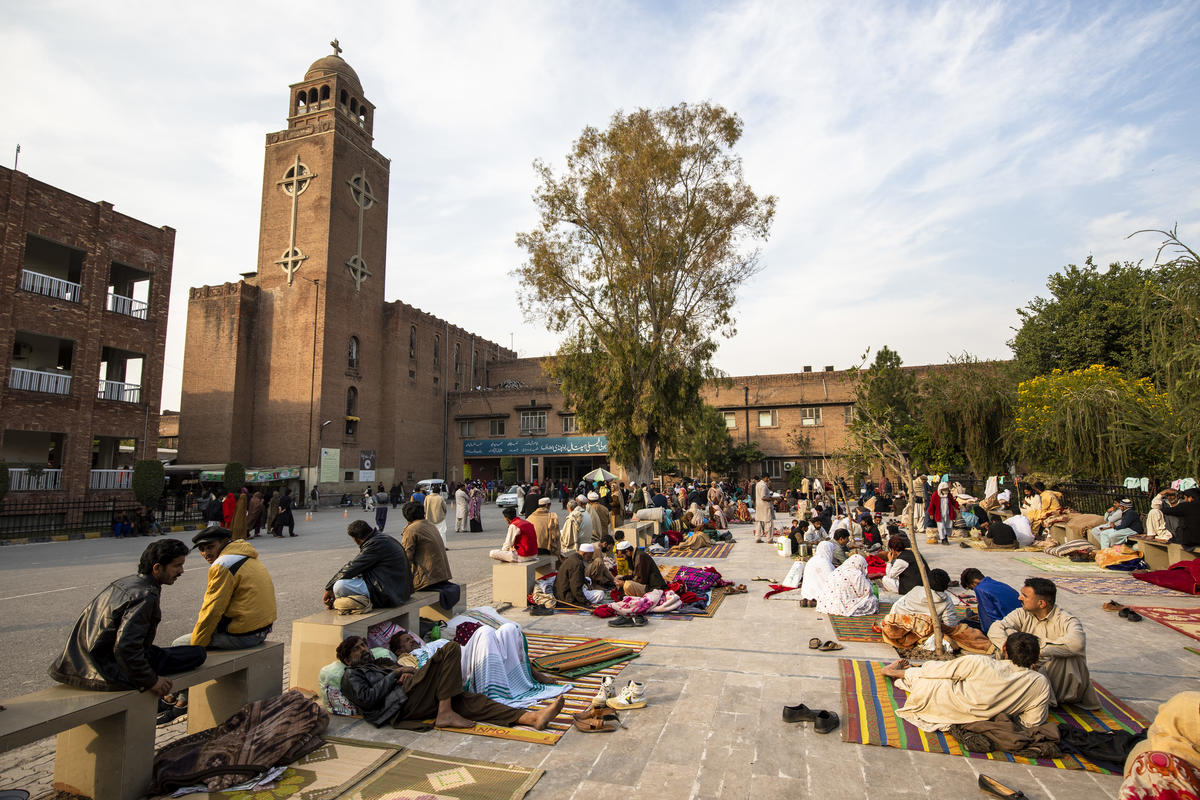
576,700
1048,563
858,629
721,550
869,703
714,601
1184,620
1113,583
581,659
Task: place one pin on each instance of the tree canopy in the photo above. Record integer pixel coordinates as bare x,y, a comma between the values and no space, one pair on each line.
641,246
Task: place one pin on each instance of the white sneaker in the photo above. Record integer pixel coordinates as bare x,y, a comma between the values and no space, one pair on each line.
632,696
605,693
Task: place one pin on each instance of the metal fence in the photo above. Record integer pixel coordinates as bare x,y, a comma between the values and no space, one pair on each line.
1097,498
20,518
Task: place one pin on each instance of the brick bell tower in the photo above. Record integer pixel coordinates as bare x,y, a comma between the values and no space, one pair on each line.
322,245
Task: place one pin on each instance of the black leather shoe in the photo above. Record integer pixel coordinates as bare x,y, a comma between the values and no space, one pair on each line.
826,722
997,789
639,620
800,713
541,611
621,622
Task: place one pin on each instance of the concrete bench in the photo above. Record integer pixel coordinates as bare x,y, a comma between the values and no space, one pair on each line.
1159,554
513,581
315,638
105,746
640,532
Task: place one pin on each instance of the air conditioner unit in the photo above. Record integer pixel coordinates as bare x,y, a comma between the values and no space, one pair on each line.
788,466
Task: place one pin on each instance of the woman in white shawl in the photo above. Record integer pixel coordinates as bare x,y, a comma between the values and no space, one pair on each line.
816,574
848,592
495,662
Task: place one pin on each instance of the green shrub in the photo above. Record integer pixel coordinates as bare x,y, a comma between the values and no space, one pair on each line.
235,476
149,481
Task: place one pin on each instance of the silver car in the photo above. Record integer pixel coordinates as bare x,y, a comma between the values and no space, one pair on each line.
508,498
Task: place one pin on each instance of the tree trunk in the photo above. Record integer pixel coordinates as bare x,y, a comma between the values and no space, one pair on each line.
912,522
642,468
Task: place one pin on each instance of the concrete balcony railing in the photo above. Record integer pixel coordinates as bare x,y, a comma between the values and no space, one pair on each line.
127,306
22,480
38,283
121,392
34,380
111,479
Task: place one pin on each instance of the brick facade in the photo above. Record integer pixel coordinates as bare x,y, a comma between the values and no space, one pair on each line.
305,353
85,287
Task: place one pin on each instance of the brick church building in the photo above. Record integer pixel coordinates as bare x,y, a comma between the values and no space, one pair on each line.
303,361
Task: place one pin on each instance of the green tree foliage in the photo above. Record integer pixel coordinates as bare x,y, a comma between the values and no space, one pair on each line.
745,455
641,247
508,471
149,481
235,476
967,408
1091,317
704,442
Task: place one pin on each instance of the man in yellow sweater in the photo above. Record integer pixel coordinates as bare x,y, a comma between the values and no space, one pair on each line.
239,601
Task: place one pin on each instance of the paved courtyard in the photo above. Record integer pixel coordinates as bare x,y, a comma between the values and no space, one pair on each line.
716,686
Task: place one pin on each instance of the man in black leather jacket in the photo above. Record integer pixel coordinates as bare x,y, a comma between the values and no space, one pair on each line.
112,646
380,570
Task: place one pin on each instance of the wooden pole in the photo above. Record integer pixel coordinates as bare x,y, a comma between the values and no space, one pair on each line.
910,479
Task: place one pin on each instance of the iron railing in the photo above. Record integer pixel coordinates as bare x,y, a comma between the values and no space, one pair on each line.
121,392
35,380
50,286
19,518
121,304
111,479
21,479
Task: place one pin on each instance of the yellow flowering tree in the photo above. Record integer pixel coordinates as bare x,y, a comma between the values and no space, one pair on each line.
1092,423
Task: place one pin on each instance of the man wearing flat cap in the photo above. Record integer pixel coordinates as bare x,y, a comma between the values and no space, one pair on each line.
239,601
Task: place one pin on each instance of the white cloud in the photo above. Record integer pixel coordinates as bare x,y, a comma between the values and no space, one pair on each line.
933,163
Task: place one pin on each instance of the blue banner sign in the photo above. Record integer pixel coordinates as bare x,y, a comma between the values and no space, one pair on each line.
536,446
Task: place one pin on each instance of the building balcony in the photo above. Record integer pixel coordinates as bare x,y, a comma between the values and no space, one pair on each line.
33,380
50,286
120,304
20,479
111,479
120,392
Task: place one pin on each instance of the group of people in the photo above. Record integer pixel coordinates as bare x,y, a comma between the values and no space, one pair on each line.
247,513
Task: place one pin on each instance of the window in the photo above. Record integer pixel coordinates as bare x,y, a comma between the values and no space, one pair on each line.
849,411
773,467
457,360
730,419
324,92
496,427
350,475
810,417
466,428
352,353
533,422
412,342
437,346
569,425
351,428
767,419
351,402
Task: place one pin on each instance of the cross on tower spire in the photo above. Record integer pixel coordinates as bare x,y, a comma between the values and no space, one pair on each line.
337,50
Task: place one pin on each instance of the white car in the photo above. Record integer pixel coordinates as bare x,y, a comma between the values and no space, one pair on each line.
508,498
432,485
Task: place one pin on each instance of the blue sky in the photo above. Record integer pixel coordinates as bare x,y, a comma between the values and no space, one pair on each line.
934,162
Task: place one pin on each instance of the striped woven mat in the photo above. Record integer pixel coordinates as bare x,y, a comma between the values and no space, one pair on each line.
588,654
869,717
715,551
1048,563
858,629
1113,583
576,700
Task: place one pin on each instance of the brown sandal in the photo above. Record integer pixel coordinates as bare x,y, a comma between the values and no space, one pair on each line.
593,725
830,645
1113,605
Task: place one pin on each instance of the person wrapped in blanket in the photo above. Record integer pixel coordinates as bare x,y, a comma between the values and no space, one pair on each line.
1167,764
489,679
909,624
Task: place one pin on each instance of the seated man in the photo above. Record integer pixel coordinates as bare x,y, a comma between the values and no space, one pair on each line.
841,540
642,574
571,585
239,601
380,570
1158,524
996,599
599,569
1021,528
816,532
1060,637
909,624
1124,522
902,572
424,547
520,542
975,688
112,645
996,534
389,694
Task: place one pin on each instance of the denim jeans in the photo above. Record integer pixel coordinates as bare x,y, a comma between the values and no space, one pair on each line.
349,586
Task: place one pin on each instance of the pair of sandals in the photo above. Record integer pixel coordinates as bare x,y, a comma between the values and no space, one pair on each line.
823,721
808,603
635,621
739,589
1123,611
824,646
596,720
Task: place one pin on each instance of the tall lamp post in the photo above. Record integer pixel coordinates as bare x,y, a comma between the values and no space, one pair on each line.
320,447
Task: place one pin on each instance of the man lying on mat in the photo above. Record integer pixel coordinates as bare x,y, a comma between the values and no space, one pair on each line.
975,688
1062,640
389,694
908,624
